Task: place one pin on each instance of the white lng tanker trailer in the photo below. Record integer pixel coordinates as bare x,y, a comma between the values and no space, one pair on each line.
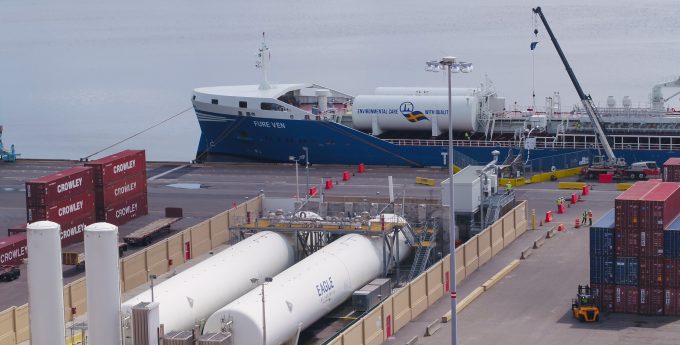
304,293
194,294
382,113
425,91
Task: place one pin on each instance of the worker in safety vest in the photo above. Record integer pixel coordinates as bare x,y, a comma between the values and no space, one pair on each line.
467,136
584,217
558,201
590,217
508,187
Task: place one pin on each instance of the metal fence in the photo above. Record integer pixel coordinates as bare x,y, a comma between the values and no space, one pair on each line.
556,162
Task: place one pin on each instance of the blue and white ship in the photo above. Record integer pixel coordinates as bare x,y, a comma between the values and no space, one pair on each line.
408,126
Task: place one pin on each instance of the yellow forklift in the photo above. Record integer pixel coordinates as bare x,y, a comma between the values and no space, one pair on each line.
583,307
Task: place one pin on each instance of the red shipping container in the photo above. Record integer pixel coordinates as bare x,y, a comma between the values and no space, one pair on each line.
120,190
64,211
117,166
49,189
626,299
651,243
125,211
651,272
671,273
627,242
627,204
671,170
671,305
661,206
604,296
73,232
13,249
651,301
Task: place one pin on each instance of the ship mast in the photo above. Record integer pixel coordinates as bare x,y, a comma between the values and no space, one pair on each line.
263,58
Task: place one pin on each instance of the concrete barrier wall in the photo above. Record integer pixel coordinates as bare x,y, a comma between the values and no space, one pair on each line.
158,258
410,301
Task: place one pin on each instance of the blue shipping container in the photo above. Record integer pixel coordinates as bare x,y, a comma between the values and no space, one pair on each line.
602,241
602,270
671,240
626,271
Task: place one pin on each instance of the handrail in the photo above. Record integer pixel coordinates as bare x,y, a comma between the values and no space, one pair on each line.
541,143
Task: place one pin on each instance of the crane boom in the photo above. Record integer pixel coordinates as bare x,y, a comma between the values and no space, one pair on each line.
585,99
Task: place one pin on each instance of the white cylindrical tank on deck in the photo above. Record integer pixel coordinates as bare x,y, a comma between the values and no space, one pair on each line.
626,102
424,91
322,99
304,293
103,287
394,112
45,283
611,102
194,294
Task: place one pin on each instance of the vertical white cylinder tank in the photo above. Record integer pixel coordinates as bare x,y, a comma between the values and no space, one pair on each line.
194,294
45,283
305,292
103,287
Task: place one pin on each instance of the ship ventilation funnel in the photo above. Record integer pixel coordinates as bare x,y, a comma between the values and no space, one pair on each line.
45,283
322,97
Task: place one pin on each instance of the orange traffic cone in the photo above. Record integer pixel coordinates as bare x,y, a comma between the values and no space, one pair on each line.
577,223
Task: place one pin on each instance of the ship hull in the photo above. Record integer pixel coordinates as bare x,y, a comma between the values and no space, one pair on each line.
244,138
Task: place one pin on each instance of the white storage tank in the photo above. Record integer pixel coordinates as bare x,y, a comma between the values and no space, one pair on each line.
45,283
404,113
425,91
194,294
103,286
305,292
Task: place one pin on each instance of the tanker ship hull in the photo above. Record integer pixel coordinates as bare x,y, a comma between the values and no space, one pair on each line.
230,138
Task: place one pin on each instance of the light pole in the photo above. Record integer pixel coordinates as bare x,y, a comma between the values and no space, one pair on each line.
264,322
451,65
306,155
297,181
151,278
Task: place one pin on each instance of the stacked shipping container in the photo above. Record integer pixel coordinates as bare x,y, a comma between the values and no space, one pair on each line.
646,255
65,198
120,186
671,170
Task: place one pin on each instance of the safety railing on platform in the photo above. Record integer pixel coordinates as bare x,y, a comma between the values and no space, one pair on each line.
411,300
159,258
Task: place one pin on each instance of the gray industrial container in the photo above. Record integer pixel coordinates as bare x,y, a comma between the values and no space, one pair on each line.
366,298
215,339
179,338
385,286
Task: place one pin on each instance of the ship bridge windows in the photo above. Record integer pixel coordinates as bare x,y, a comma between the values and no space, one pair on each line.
243,104
289,98
272,106
214,101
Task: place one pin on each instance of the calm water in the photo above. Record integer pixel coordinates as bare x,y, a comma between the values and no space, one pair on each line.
76,76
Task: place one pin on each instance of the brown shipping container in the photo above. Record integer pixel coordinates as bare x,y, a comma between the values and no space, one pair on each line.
604,296
73,232
13,249
671,273
671,170
671,305
660,206
651,301
117,166
120,190
627,242
627,204
651,243
626,299
125,211
49,189
651,271
64,211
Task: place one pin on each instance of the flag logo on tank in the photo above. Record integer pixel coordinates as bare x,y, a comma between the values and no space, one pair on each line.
411,115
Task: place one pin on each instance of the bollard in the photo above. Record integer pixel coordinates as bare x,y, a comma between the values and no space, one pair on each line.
560,208
533,219
312,191
345,175
361,168
585,190
329,184
574,199
577,223
548,216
